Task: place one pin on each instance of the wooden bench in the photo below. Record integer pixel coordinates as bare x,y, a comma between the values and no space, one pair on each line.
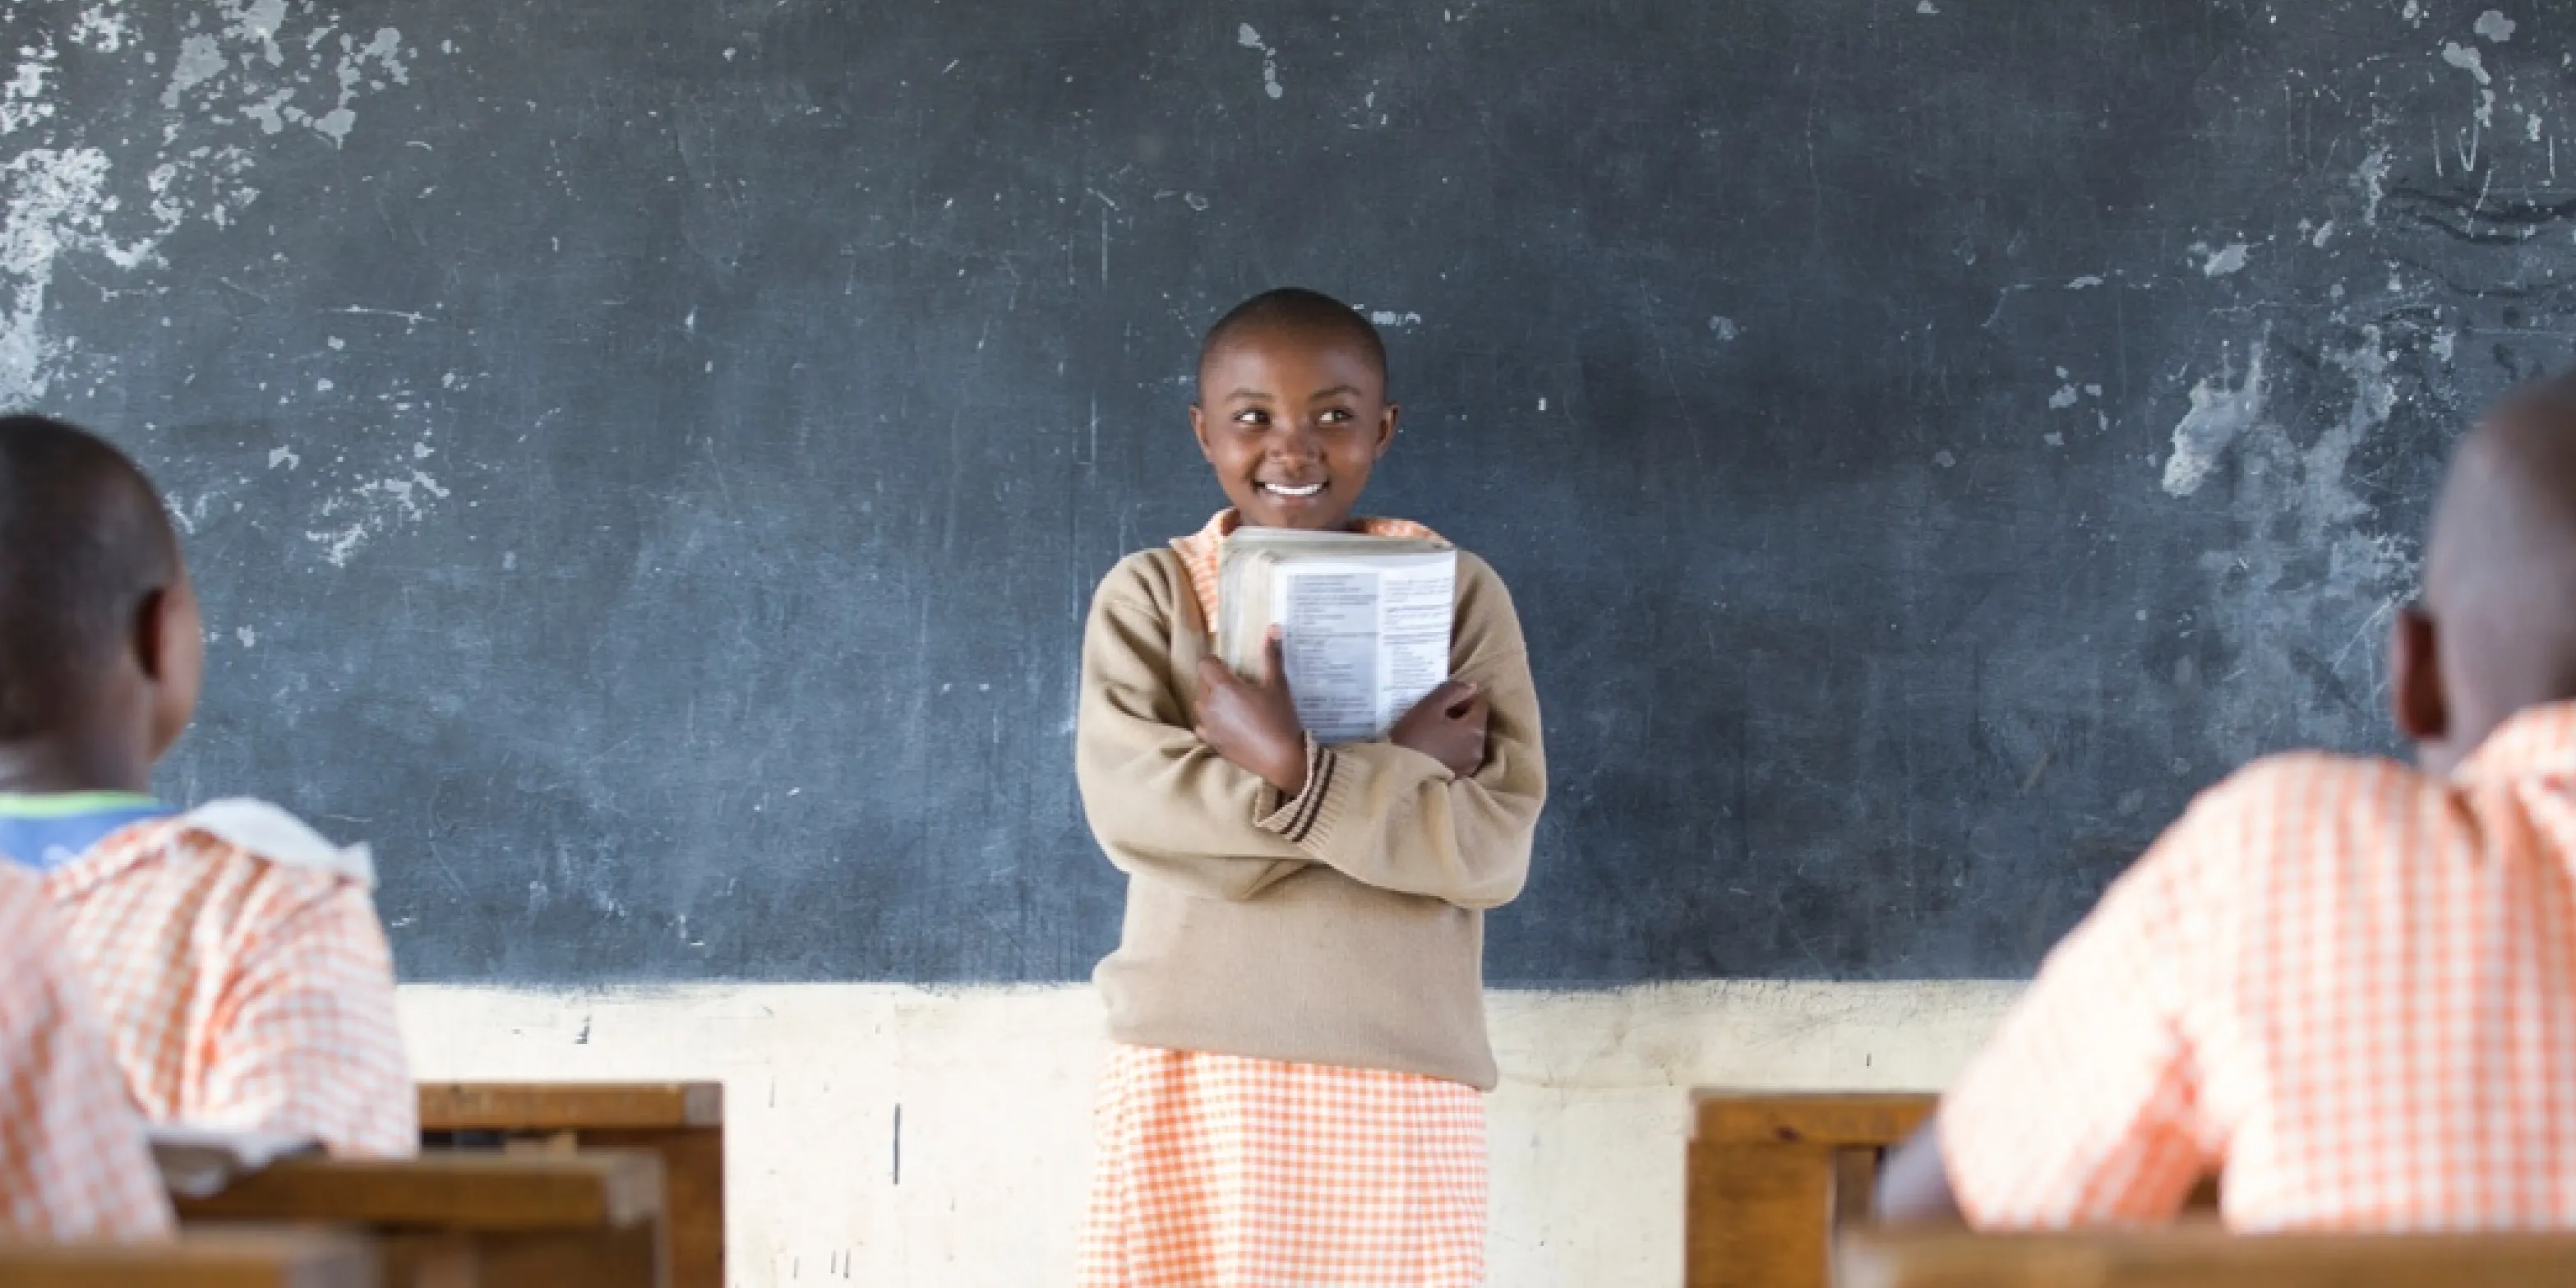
2201,1256
234,1258
589,1220
681,1121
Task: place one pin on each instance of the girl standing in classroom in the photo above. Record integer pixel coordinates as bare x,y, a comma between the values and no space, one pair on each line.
1294,1093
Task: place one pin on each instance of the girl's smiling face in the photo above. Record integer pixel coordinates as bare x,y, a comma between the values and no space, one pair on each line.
1293,419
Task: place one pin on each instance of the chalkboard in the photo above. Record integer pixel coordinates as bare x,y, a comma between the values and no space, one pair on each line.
646,461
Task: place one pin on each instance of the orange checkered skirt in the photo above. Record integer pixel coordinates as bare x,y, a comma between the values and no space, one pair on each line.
1219,1171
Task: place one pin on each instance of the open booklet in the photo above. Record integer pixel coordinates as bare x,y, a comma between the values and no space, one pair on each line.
198,1162
1365,621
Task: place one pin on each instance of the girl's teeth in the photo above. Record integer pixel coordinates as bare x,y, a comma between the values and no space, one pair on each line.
1284,490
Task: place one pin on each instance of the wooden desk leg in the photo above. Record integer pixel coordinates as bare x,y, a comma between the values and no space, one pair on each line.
692,1197
1759,1215
632,1258
428,1261
1855,1184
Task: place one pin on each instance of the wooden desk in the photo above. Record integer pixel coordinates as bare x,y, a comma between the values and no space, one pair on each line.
1774,1176
589,1220
234,1258
1771,1175
681,1121
2201,1256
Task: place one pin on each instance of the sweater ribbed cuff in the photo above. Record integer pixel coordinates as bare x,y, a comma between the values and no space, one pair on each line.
1295,819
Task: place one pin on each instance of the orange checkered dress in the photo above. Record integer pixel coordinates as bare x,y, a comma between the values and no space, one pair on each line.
73,1164
1221,1171
2350,985
243,988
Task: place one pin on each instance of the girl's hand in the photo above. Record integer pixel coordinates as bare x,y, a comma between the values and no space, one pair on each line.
1448,725
1255,725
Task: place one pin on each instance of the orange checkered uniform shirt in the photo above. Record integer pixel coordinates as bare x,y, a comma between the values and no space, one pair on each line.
73,1164
241,992
2349,984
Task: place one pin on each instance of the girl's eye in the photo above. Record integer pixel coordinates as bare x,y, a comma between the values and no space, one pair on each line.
1250,417
1336,416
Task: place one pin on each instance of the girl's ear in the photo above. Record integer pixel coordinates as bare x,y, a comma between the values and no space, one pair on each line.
2415,697
147,636
1198,430
1386,431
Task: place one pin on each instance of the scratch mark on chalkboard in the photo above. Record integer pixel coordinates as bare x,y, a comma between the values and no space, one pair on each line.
2373,178
2001,298
411,320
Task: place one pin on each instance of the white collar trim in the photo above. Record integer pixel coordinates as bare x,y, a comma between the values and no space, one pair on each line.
280,837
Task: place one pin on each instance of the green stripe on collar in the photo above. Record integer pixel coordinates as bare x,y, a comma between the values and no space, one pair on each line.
69,804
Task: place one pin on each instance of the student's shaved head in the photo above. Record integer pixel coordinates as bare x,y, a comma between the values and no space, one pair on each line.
83,543
2495,631
1297,311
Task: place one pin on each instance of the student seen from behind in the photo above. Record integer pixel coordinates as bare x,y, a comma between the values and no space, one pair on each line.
235,956
2346,985
1296,1005
73,1165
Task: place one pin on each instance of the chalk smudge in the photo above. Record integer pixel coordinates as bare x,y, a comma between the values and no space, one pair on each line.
237,74
1251,39
2218,415
2296,512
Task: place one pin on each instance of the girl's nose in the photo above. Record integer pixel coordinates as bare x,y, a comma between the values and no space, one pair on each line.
1294,443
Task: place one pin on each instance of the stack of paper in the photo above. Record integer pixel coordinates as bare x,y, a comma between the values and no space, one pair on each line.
198,1162
1365,619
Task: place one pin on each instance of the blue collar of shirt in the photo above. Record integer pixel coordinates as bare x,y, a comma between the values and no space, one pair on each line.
45,832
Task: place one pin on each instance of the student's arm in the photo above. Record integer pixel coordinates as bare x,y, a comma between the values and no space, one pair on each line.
1914,1182
305,1038
1163,804
2084,1107
1399,820
74,1165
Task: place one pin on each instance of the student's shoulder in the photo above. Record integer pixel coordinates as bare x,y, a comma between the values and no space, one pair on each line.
1147,581
2311,780
26,927
2308,804
1477,577
1485,606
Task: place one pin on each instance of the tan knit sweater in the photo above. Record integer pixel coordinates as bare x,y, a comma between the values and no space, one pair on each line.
1345,928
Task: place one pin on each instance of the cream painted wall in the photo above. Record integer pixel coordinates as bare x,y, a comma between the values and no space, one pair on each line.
994,1089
